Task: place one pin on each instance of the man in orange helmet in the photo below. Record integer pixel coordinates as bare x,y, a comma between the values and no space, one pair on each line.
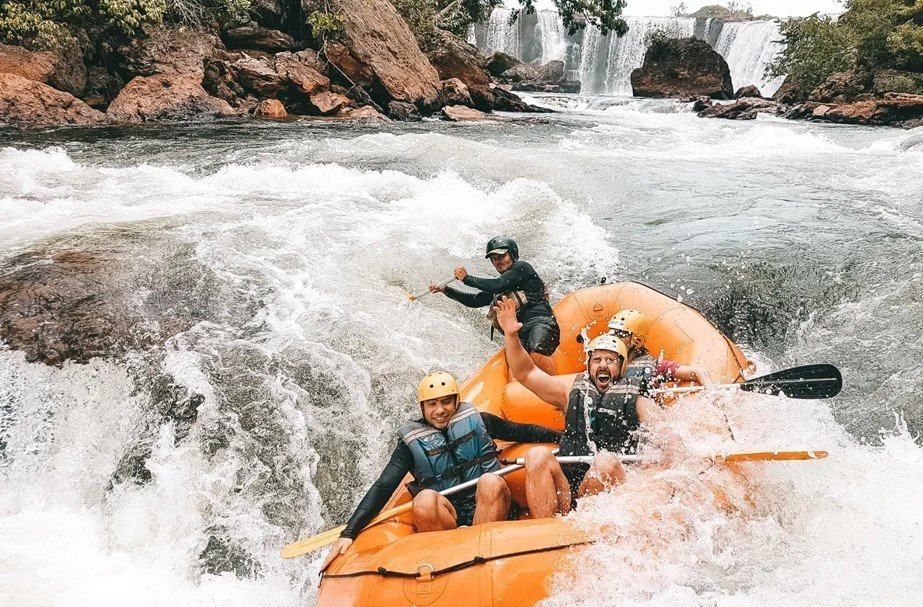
632,328
450,444
602,416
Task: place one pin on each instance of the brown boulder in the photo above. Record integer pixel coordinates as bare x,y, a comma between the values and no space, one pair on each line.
500,62
750,90
405,112
271,108
455,58
25,102
505,101
745,108
382,55
327,102
461,113
454,92
165,49
38,66
62,70
682,67
366,112
790,93
258,77
259,37
303,69
841,87
895,109
166,98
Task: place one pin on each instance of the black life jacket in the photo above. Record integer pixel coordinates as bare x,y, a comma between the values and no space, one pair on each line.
596,422
445,458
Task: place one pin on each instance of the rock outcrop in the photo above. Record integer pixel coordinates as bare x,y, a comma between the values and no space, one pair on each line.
303,70
379,53
168,50
499,62
461,113
403,111
894,109
685,67
535,77
25,102
750,90
456,59
62,70
253,36
166,98
745,108
271,108
454,92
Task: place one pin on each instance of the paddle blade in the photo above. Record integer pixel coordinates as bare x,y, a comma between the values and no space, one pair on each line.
771,456
808,381
312,543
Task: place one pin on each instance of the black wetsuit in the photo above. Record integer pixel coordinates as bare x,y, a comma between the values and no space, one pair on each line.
540,332
401,463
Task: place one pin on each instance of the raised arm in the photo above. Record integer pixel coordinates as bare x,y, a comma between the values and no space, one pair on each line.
477,299
696,374
552,389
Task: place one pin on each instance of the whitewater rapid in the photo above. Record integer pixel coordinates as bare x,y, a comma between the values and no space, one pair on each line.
286,246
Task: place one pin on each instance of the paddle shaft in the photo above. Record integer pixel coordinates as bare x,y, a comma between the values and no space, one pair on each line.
727,457
427,292
328,537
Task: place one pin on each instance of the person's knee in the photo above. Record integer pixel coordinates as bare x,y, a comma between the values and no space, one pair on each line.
426,502
492,487
539,459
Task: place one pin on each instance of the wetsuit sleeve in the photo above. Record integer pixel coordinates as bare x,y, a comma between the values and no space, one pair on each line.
497,427
470,300
513,279
376,497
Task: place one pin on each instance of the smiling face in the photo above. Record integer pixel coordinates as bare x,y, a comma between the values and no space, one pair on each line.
438,411
502,262
605,368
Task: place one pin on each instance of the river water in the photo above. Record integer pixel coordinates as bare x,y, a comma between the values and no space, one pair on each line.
174,476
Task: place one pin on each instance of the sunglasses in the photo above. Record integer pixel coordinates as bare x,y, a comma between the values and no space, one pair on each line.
621,333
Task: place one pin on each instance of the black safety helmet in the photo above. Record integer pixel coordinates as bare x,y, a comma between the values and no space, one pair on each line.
502,244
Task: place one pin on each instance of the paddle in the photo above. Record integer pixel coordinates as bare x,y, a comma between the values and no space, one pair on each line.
808,381
413,297
726,457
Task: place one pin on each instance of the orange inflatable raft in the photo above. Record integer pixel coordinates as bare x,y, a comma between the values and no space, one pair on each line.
511,563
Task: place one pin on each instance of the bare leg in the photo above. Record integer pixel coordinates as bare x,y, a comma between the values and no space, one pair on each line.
547,490
606,472
545,363
492,500
432,512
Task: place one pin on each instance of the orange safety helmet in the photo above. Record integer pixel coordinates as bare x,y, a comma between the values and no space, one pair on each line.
436,385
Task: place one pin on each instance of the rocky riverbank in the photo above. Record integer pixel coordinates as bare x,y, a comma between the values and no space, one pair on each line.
690,69
273,68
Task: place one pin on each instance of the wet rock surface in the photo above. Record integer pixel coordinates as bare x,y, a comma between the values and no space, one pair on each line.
166,98
682,67
25,103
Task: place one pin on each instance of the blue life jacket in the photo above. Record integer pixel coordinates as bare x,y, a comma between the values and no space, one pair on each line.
445,458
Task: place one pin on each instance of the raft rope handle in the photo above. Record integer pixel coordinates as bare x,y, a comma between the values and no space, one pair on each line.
478,560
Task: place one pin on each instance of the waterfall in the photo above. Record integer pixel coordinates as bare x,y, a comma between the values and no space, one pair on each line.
607,63
553,36
603,64
748,47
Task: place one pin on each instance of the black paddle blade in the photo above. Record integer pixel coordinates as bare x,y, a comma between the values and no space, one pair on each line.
809,381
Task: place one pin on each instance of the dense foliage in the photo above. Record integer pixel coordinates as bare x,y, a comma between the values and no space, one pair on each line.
733,11
55,23
427,17
870,35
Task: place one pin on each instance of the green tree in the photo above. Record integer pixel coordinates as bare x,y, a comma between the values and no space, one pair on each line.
815,47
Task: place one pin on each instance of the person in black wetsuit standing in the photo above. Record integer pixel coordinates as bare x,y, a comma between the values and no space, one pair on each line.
518,281
450,444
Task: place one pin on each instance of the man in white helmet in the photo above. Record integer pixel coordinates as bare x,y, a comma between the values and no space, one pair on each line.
450,444
602,415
